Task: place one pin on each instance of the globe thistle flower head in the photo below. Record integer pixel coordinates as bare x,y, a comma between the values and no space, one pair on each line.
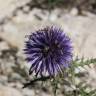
48,50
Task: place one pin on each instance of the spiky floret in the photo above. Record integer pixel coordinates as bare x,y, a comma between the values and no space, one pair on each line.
48,50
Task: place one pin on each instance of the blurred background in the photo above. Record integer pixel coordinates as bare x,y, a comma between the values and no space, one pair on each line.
20,17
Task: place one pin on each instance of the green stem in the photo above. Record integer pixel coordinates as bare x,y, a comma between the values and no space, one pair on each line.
37,79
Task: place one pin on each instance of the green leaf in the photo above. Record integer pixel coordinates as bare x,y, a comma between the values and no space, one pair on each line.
82,62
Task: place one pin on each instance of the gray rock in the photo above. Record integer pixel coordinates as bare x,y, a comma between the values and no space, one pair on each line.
28,92
74,11
15,77
8,91
9,7
3,46
3,79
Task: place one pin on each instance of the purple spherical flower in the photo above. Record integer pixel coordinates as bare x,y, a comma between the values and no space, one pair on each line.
48,50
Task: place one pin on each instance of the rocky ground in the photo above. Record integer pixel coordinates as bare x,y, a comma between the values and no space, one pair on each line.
16,23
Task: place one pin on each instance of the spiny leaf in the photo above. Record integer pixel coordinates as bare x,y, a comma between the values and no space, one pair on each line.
81,62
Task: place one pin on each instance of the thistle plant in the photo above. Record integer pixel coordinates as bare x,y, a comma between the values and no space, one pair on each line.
48,51
50,54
